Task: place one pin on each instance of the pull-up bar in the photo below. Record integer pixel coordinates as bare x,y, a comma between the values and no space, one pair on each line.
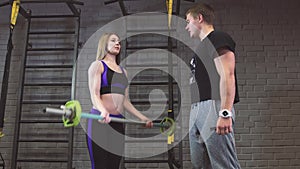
4,3
55,1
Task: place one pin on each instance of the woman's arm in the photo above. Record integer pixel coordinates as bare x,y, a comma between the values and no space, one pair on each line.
94,80
130,108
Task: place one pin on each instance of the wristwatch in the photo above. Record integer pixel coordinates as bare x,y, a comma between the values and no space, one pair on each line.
225,113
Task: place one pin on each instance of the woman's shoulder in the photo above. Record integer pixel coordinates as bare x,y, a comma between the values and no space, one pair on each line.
96,66
123,70
97,63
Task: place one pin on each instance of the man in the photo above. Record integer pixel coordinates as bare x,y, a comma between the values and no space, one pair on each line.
212,114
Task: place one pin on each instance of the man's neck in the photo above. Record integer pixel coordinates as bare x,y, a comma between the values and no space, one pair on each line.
206,30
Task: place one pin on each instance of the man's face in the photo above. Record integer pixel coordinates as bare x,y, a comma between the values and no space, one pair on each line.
193,26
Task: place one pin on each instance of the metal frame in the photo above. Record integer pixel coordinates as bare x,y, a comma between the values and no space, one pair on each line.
171,157
121,4
3,162
73,87
22,11
4,88
123,9
20,101
70,4
54,1
4,3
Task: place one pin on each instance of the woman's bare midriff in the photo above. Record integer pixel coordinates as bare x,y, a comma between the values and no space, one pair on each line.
113,103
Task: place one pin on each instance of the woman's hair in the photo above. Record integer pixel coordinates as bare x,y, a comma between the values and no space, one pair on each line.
205,10
102,45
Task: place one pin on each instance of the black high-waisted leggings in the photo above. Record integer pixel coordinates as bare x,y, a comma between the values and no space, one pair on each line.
105,143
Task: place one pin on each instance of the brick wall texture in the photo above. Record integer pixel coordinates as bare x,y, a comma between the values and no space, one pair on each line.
268,68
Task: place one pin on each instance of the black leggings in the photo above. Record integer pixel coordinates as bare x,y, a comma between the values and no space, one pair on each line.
105,144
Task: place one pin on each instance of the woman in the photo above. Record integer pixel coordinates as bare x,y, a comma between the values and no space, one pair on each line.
108,85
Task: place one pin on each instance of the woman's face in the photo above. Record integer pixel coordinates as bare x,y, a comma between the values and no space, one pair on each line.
113,45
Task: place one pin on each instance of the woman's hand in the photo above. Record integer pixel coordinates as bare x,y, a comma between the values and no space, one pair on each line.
106,118
149,123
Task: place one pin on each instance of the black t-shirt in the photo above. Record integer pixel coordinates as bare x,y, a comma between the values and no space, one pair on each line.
204,77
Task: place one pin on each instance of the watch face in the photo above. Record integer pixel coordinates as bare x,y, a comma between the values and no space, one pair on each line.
225,113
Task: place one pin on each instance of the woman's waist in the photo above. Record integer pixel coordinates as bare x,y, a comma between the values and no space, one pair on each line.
115,114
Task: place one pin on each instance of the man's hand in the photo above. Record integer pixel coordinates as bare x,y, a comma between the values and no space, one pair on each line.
224,125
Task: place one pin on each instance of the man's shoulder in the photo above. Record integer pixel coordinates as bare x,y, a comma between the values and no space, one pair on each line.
216,34
220,39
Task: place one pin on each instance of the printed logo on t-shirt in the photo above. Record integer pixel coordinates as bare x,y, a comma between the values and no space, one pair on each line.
193,70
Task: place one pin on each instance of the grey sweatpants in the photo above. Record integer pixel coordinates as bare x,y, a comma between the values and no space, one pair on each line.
208,149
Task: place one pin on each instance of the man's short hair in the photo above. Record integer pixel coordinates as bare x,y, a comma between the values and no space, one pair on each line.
205,10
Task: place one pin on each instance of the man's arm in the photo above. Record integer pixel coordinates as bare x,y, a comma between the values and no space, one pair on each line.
225,65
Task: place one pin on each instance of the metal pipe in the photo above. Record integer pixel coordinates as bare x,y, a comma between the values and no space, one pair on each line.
54,1
20,98
66,112
4,4
110,2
